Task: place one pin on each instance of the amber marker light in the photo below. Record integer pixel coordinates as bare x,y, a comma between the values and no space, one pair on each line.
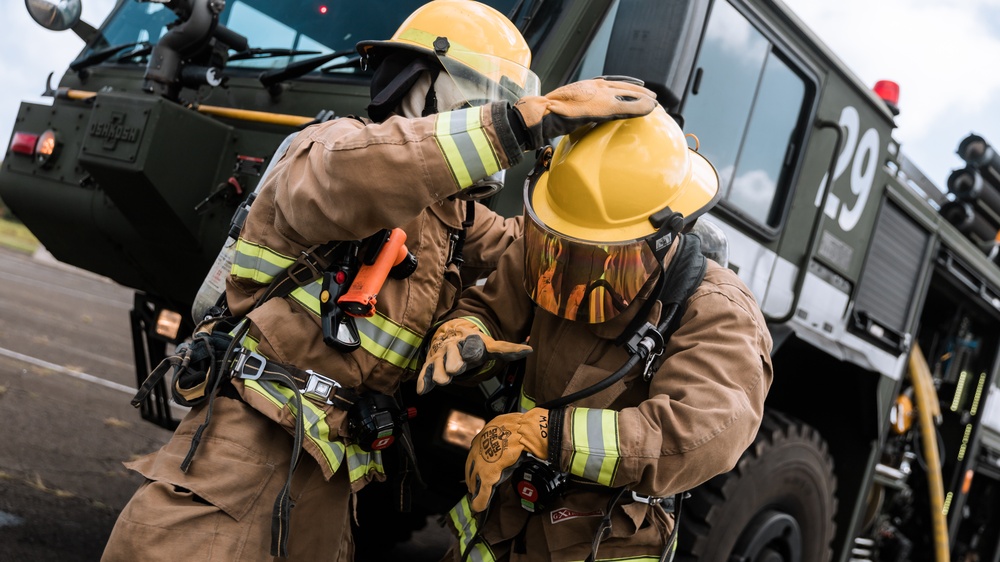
460,428
45,148
168,324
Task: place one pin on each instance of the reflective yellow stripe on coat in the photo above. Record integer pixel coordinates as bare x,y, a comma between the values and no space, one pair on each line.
359,462
466,148
595,454
465,523
380,336
257,262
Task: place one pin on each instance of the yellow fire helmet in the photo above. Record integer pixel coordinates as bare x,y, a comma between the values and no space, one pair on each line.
602,215
472,41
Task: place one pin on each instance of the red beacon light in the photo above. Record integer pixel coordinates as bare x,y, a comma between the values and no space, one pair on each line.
23,143
889,92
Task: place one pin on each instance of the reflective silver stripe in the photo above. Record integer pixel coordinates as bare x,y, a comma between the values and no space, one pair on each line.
465,146
463,142
361,462
465,523
253,261
596,453
384,340
316,431
308,296
380,336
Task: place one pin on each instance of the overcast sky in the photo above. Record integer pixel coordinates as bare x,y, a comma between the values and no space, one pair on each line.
943,55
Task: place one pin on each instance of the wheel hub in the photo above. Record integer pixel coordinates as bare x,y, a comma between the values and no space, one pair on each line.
772,536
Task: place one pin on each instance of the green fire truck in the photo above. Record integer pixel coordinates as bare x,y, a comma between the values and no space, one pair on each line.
881,438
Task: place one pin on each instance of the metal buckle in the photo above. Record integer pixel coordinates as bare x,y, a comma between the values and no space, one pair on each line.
651,500
241,364
311,266
319,387
667,503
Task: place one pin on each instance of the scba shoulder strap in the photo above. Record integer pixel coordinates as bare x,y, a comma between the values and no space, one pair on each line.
682,277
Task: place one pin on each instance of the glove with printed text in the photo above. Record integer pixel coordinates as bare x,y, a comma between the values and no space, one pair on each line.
497,449
569,107
458,345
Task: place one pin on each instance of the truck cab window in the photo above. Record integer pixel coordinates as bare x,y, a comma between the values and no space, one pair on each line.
592,63
744,105
269,26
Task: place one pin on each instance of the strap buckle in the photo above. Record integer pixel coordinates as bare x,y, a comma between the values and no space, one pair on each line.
320,387
667,503
244,362
306,268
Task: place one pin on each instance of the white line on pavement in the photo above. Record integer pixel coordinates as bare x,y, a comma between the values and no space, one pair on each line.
65,371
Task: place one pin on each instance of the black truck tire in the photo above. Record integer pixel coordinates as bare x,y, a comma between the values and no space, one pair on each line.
777,505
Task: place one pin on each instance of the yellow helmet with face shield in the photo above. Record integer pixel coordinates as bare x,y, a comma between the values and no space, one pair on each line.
477,46
600,219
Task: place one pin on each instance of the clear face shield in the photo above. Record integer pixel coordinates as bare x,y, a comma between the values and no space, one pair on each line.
472,79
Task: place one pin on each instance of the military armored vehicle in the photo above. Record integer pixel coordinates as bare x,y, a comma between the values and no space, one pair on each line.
882,292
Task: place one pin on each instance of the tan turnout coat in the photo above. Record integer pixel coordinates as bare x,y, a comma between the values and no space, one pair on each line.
690,422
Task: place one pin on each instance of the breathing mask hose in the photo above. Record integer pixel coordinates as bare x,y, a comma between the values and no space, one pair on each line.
646,346
925,394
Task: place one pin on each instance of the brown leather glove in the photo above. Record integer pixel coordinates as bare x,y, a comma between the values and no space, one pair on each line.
497,449
569,107
458,345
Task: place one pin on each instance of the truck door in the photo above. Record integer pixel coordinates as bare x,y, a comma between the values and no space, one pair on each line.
749,102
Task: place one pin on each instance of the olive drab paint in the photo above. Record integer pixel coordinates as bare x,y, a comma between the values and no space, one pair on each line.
834,230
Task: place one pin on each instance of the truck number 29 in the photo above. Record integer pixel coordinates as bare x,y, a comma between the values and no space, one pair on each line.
865,155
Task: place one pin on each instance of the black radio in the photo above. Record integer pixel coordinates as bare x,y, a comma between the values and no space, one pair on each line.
375,419
537,484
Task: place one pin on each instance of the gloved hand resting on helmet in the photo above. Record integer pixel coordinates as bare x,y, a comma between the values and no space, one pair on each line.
497,449
569,107
458,345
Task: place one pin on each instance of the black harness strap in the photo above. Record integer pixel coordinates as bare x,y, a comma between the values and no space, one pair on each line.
458,238
678,282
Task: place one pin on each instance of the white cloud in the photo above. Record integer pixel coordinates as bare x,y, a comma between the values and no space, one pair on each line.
29,52
940,53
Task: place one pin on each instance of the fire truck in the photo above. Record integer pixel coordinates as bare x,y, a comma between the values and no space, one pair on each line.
881,437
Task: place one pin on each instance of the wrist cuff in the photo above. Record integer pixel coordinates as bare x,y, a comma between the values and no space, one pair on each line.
556,418
506,127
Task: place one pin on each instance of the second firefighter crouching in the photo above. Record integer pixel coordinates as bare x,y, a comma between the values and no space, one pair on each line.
649,364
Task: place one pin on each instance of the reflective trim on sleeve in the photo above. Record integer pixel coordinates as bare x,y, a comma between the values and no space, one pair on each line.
596,453
465,524
479,324
526,402
258,263
465,146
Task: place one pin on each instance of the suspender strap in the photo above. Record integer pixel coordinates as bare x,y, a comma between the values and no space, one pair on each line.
678,282
458,238
308,267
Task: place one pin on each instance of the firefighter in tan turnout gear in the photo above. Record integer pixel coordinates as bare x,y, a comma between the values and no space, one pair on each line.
650,363
453,104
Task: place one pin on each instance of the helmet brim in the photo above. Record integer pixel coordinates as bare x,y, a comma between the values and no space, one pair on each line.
701,193
374,52
704,186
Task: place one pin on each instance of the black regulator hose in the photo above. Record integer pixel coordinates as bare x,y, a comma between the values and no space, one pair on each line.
646,346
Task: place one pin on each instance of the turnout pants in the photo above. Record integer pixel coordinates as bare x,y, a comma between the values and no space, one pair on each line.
221,508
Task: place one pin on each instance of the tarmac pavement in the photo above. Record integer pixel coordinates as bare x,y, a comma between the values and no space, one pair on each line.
66,378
